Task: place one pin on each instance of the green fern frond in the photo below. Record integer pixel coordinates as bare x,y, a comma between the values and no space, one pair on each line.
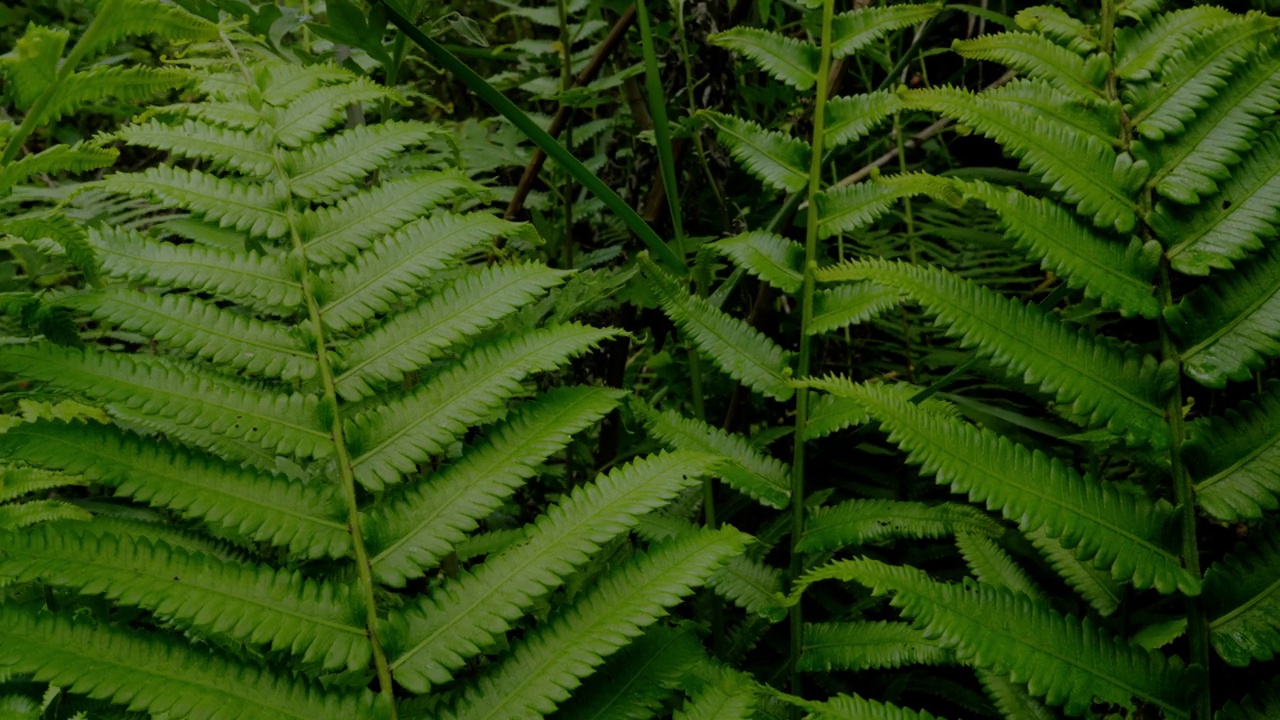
411,532
1095,585
778,160
325,167
1230,326
1121,279
310,113
632,685
132,18
281,422
1054,23
1242,596
254,281
1099,521
1262,705
122,84
65,232
791,61
729,697
437,634
859,521
745,468
993,566
770,257
1085,170
16,481
458,311
320,623
32,64
850,304
262,508
59,158
852,31
1193,164
37,511
1066,660
737,348
394,267
1039,57
389,442
1192,76
851,117
1100,120
1012,699
854,707
1233,457
246,152
204,330
867,646
259,209
147,673
541,670
1231,224
1142,50
1104,383
335,233
853,207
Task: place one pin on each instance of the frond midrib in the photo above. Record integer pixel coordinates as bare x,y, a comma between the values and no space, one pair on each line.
1257,599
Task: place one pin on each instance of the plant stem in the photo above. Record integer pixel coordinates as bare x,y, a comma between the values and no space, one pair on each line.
566,82
806,345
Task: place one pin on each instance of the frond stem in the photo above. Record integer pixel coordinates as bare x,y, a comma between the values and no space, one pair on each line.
806,345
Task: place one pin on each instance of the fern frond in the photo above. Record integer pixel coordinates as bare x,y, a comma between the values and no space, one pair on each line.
411,532
333,234
850,117
1233,457
993,566
131,18
255,281
67,233
740,350
29,512
850,304
778,160
146,673
258,506
867,646
311,112
32,64
1120,279
1066,660
320,623
1193,75
830,414
1085,170
16,481
1142,50
792,61
121,84
772,258
1231,224
1054,23
258,209
1193,164
853,207
1242,595
1261,705
854,30
633,684
860,521
1012,699
747,583
391,440
745,468
1039,57
729,697
1230,326
437,634
392,268
246,152
462,309
75,158
1101,120
1095,585
854,707
186,395
205,330
1108,385
540,672
325,167
1118,530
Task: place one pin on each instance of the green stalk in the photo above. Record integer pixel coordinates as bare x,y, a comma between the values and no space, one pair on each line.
499,102
806,345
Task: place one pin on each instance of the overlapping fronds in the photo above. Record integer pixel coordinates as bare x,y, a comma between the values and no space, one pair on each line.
857,522
854,707
633,683
1233,457
868,646
1063,659
990,564
1243,600
1040,57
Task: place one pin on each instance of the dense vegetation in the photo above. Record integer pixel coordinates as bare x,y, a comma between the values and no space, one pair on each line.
585,359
